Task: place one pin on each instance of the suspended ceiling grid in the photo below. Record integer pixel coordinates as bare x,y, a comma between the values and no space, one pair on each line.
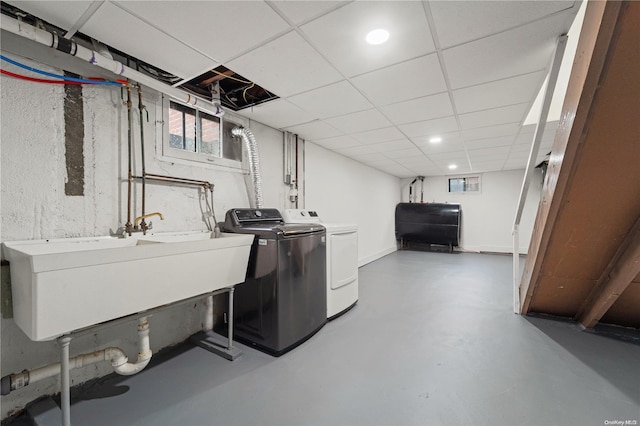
467,72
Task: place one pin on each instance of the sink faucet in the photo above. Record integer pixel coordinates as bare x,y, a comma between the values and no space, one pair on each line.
143,225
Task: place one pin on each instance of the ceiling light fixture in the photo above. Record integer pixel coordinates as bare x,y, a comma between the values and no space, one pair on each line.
452,167
436,139
378,36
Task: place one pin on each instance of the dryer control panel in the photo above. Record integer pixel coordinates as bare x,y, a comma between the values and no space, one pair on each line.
301,216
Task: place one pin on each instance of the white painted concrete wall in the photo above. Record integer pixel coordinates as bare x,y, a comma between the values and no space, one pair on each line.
34,206
342,190
487,216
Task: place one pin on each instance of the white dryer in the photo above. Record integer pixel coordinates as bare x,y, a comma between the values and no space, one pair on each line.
342,260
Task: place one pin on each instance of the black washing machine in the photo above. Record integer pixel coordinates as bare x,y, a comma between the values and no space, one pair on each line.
283,300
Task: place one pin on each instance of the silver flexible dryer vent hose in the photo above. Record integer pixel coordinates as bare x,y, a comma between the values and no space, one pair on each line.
254,162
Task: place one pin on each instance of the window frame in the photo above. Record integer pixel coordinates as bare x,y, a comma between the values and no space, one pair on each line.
171,154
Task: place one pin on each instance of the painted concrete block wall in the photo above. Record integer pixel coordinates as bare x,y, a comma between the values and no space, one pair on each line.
487,216
342,190
34,205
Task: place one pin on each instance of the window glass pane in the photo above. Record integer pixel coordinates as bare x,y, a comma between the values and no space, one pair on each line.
473,184
209,134
176,129
190,131
456,185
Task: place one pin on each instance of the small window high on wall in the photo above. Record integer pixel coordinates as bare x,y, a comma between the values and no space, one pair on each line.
464,184
191,134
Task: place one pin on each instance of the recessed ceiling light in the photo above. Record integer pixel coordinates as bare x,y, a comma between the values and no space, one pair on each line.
378,36
436,139
452,166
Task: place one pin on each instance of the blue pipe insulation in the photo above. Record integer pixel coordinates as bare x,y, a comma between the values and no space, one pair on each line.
63,77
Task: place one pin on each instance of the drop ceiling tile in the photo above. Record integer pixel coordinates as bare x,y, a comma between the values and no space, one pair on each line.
331,101
488,154
286,66
491,132
340,35
369,157
417,161
383,161
141,40
301,11
354,150
396,170
400,82
63,14
458,22
510,91
361,121
490,142
421,109
385,147
379,135
403,154
427,171
521,147
488,166
337,142
425,167
514,165
219,29
518,156
463,168
447,139
313,130
443,161
278,114
442,147
430,128
494,116
519,51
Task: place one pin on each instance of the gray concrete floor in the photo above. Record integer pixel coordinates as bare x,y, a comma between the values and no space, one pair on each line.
432,341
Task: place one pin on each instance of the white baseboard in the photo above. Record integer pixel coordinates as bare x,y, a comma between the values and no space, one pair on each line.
492,249
368,259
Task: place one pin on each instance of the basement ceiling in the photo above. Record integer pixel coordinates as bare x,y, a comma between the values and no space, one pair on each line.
465,72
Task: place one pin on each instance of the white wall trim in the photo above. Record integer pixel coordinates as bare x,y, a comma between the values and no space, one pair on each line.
375,256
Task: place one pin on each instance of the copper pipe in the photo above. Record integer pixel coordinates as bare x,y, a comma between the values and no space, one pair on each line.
185,181
141,107
129,225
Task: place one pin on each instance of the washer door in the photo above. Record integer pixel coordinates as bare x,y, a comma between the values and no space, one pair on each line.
343,252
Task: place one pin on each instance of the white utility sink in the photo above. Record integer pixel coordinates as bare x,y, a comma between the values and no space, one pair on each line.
62,285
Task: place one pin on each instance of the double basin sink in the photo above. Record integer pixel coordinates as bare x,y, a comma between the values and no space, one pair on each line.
63,285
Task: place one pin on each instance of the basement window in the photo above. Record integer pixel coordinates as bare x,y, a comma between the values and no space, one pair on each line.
464,184
195,135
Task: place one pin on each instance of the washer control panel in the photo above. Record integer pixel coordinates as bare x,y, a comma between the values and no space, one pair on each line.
255,215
